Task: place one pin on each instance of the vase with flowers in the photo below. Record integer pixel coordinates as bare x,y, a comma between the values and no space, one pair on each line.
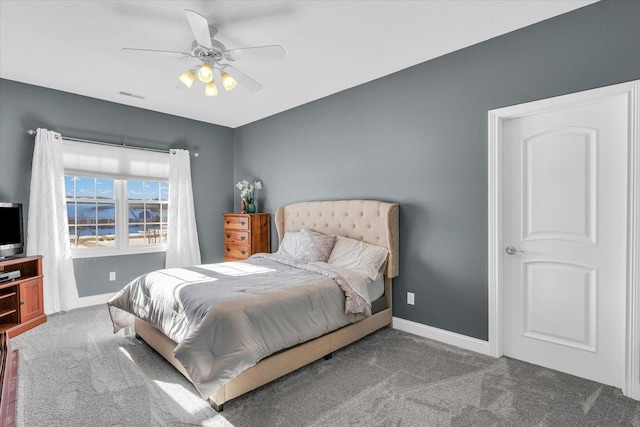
248,195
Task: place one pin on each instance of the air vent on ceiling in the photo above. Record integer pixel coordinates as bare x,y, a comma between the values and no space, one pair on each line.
132,95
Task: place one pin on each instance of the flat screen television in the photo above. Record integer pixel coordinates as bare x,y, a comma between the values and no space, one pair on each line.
11,232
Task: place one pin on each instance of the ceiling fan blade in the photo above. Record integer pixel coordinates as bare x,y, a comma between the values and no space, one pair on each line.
200,28
154,51
242,79
260,53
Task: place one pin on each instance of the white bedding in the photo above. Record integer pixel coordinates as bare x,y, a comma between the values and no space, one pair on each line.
376,288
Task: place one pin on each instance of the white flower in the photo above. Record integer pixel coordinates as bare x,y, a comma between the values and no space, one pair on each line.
247,190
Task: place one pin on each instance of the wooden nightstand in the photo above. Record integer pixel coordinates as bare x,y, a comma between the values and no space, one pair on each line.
245,235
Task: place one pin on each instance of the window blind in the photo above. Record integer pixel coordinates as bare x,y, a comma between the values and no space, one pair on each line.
105,161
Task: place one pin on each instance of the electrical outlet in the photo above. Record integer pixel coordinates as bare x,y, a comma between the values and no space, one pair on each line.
112,276
411,298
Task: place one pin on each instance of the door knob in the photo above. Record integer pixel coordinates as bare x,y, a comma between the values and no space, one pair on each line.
512,251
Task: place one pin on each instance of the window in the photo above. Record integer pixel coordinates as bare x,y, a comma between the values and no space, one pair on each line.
117,199
114,216
91,210
147,204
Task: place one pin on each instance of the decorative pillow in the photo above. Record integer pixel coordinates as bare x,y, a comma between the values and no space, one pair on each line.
315,246
359,256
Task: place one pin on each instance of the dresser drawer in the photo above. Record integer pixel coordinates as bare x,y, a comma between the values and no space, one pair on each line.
236,251
236,222
235,237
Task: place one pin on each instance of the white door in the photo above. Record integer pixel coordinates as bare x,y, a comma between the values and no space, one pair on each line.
564,230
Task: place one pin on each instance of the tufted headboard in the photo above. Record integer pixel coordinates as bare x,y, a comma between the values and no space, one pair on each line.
370,221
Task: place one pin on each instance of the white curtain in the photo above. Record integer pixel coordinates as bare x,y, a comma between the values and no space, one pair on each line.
183,248
47,230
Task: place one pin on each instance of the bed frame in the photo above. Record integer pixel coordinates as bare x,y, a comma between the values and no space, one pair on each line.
370,221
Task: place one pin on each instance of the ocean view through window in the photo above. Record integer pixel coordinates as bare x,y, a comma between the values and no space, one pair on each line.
111,216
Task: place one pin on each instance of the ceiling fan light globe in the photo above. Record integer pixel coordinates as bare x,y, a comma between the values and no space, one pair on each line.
228,82
211,90
187,78
205,74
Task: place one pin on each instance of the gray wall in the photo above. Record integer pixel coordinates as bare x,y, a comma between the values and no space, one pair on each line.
24,107
419,138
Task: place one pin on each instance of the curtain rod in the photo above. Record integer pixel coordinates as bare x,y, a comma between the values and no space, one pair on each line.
88,141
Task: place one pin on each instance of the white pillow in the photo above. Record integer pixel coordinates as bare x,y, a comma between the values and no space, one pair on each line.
359,256
290,245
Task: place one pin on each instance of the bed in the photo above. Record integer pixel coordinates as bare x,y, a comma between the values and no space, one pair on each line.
368,221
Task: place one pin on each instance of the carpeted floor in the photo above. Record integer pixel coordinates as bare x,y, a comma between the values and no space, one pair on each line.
75,372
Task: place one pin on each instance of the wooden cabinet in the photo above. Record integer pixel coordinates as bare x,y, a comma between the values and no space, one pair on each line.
21,299
245,235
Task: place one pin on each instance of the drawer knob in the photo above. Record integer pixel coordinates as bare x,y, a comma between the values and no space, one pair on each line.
243,237
21,302
242,222
228,249
228,236
242,252
228,222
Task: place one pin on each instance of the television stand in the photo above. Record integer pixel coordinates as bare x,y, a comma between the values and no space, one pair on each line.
21,299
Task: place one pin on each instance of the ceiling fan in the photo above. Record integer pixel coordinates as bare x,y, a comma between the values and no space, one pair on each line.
214,69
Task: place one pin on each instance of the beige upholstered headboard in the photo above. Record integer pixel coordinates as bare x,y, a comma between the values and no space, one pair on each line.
370,221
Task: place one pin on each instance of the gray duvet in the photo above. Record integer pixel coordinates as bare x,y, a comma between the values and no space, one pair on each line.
227,317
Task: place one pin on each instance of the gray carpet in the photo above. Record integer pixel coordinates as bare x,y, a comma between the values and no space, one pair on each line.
75,372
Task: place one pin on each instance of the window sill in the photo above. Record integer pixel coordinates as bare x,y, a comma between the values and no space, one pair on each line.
105,252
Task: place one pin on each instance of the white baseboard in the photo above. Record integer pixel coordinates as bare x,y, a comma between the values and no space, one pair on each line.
95,300
447,337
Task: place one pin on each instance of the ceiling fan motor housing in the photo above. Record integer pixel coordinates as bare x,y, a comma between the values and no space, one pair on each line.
216,52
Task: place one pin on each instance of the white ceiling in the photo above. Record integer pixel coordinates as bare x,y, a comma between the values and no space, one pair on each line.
74,46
